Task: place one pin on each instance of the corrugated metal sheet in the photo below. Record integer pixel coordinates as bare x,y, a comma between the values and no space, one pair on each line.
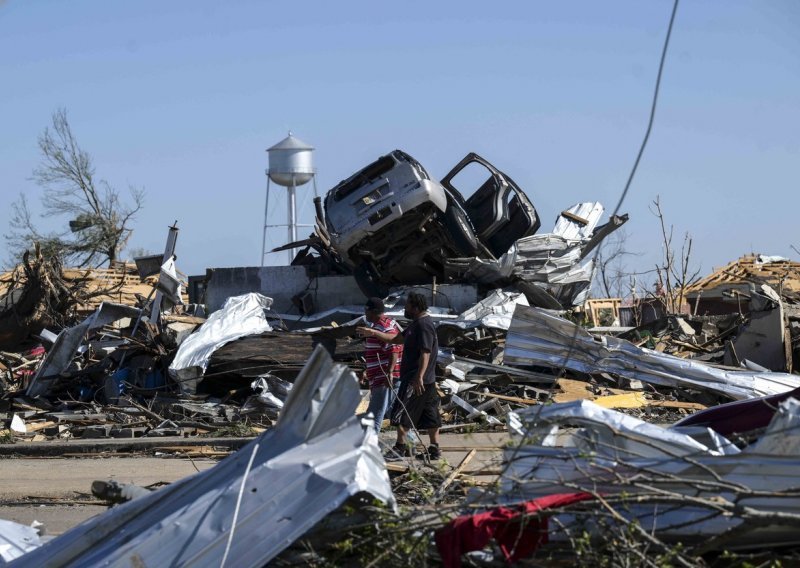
272,490
614,454
539,337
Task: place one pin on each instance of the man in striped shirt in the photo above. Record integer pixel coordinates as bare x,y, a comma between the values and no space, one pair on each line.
383,359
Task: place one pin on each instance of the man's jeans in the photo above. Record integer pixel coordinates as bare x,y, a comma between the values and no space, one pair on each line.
380,401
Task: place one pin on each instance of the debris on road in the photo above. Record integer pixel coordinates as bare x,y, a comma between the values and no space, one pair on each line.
254,504
635,419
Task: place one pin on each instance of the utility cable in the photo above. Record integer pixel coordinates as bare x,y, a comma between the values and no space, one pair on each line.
573,342
652,111
622,197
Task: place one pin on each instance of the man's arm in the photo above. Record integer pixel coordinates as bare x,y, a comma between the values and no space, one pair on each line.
424,358
391,338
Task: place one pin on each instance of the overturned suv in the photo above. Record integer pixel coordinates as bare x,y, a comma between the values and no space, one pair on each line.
391,224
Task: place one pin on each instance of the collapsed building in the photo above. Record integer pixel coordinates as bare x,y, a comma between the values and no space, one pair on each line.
587,450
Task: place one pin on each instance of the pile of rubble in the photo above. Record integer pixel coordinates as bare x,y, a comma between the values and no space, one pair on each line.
622,444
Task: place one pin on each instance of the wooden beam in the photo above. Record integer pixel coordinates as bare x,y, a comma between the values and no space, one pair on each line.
517,399
576,218
453,474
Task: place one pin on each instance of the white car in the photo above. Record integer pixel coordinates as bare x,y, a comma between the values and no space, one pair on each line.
391,224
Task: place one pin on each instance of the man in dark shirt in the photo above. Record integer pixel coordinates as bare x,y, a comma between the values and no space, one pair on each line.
417,403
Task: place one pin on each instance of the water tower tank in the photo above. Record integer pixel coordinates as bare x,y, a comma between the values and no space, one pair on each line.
290,162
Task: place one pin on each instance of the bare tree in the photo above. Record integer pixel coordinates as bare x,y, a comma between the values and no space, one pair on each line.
98,220
674,275
611,274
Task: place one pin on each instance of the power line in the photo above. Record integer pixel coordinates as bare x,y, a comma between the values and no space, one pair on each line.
652,109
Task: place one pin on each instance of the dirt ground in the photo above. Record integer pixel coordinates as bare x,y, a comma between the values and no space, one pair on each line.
57,491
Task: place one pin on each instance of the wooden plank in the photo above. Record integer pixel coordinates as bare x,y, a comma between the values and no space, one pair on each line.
453,474
580,390
36,426
627,400
638,400
572,217
572,389
528,401
677,404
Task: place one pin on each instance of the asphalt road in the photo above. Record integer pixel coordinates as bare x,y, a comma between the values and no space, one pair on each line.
32,487
56,491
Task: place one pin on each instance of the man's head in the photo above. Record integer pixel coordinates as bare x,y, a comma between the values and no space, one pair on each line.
373,309
415,305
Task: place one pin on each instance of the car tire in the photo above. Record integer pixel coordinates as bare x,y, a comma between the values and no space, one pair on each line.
461,232
367,279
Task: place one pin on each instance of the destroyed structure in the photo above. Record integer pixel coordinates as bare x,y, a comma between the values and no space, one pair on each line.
673,441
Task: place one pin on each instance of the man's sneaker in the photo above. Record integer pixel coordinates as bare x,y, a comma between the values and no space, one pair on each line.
396,453
431,454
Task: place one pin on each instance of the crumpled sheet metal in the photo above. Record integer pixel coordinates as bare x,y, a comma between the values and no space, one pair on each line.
537,337
60,356
541,255
239,316
488,271
611,452
16,540
567,228
609,432
271,392
169,285
317,456
494,311
553,260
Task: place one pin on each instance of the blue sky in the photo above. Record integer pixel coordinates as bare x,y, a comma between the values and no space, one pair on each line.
183,98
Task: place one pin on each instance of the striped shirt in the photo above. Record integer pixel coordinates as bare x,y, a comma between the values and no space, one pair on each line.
378,353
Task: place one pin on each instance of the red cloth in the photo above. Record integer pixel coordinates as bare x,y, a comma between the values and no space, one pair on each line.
516,539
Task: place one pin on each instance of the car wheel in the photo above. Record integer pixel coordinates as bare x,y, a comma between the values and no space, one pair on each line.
460,230
367,279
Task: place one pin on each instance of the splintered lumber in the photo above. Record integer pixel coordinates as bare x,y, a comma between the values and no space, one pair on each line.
453,474
363,405
396,467
579,390
36,426
627,400
528,401
193,451
677,404
638,400
572,389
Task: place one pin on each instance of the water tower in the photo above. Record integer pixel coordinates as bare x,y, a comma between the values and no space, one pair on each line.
290,166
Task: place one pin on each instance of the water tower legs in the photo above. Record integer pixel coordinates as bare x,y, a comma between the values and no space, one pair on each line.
292,206
266,213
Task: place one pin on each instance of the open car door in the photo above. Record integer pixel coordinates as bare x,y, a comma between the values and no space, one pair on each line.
497,208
